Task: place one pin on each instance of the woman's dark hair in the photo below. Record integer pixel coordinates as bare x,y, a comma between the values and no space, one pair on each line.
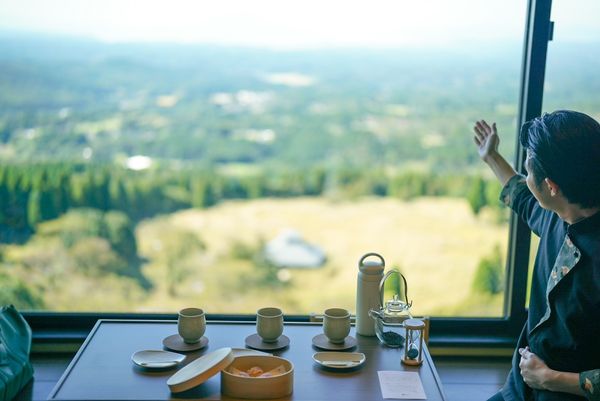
564,146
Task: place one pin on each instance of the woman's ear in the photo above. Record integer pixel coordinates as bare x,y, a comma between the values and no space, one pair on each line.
552,187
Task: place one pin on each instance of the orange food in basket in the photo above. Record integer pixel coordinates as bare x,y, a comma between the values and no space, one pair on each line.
257,371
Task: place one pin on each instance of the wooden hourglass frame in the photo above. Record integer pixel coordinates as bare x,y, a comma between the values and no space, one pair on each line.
413,345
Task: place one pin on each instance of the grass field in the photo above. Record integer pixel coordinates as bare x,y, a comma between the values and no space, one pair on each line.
436,242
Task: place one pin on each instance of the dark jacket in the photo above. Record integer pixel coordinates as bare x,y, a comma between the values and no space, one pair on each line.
563,326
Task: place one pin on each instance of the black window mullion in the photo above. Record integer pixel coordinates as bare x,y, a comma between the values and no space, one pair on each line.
535,49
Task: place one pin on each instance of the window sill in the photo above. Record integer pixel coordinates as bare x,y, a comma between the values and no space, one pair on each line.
69,341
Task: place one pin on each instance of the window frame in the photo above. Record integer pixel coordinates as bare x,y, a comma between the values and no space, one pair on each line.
501,333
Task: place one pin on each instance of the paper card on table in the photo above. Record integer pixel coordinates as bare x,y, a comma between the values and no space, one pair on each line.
401,385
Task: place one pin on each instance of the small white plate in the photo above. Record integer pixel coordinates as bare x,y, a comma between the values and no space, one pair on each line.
155,359
339,360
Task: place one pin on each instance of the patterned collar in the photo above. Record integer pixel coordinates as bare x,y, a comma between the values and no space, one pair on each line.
567,258
569,255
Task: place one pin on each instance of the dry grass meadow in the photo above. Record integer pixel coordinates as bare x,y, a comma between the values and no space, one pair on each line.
436,242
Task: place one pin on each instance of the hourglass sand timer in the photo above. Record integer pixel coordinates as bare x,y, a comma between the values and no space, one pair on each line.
413,346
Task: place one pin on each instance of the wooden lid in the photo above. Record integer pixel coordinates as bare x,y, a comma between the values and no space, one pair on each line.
200,370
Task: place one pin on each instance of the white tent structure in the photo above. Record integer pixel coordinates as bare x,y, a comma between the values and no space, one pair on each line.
289,249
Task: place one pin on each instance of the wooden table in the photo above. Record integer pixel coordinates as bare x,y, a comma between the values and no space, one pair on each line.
102,368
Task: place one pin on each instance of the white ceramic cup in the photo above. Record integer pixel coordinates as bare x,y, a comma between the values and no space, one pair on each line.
336,324
191,324
269,324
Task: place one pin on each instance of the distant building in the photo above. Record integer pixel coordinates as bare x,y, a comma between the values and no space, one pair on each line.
289,249
138,162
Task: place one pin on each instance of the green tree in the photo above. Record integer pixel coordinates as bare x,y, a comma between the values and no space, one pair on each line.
117,194
177,246
4,194
62,193
101,191
489,277
16,292
202,193
477,195
315,181
119,231
34,214
94,256
253,186
408,185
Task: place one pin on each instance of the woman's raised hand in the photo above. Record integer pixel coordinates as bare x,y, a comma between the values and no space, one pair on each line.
486,138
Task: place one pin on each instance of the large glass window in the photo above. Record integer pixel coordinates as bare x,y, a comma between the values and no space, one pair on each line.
572,80
573,60
238,154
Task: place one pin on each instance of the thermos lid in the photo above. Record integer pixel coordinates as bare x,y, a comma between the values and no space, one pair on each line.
371,266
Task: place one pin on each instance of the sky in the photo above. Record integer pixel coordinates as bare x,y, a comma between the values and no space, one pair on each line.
295,24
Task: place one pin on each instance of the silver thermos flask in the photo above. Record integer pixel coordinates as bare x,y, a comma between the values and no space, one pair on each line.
370,273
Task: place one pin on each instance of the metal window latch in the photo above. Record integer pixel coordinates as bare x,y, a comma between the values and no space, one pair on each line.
550,31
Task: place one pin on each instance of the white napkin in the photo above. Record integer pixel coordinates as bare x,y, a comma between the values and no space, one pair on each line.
401,385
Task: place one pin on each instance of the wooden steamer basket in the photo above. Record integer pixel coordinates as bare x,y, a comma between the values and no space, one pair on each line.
256,388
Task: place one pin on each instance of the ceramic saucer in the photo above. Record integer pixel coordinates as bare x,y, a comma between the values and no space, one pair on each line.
339,360
321,341
176,343
254,341
155,359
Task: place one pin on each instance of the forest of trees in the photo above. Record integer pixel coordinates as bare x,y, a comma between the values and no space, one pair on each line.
30,194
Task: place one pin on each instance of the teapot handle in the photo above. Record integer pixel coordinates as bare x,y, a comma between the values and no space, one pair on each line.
382,284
